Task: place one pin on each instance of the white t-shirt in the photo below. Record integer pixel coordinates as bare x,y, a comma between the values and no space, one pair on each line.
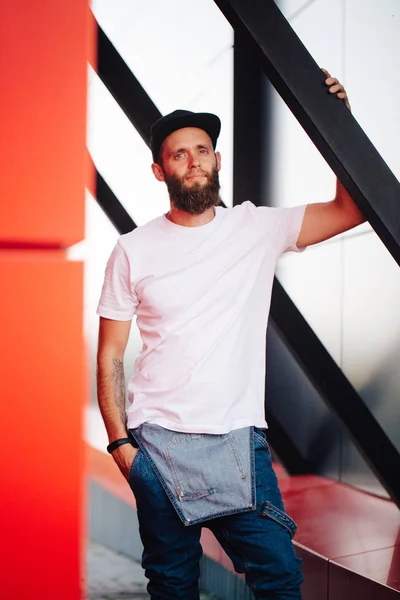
201,296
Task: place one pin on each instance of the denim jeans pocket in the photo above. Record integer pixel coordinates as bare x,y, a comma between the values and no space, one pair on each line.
270,511
133,466
261,438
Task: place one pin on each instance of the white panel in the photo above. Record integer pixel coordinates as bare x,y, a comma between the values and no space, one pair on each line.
373,74
122,157
94,250
300,174
169,45
95,432
292,8
371,326
319,25
313,281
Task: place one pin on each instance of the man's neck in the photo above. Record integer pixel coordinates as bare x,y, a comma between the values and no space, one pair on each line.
180,217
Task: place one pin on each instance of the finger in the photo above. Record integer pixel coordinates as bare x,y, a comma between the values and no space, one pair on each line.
334,89
331,81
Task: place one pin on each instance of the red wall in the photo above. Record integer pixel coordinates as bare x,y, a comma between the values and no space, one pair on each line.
43,50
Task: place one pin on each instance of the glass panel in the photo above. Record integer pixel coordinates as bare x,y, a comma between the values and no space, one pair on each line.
340,41
358,41
348,288
371,328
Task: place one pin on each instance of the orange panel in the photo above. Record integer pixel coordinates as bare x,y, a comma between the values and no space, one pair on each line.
42,121
92,59
41,448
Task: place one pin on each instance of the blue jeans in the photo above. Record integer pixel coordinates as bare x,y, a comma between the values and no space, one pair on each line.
258,542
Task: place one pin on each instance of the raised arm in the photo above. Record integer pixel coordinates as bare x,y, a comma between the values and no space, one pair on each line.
325,219
113,338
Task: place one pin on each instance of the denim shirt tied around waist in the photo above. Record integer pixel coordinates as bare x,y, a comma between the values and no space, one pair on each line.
204,475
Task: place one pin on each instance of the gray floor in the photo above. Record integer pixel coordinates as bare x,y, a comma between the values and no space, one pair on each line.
111,576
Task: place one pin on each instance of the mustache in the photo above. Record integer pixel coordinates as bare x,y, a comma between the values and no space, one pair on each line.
197,172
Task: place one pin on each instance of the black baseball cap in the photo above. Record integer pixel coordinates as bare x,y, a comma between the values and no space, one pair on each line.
179,119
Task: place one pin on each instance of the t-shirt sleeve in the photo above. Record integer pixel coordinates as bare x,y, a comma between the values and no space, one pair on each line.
282,226
118,301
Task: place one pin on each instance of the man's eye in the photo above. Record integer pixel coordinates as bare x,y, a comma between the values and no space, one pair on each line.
203,151
179,155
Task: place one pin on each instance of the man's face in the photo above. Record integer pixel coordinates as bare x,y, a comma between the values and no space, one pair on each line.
190,170
189,155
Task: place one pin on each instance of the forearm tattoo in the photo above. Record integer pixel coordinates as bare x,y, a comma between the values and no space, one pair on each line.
119,387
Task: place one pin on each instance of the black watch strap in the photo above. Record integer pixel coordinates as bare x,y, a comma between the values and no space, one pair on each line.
117,443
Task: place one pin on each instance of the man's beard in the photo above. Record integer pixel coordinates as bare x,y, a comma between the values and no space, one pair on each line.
196,199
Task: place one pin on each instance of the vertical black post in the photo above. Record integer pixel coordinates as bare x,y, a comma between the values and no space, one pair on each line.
251,128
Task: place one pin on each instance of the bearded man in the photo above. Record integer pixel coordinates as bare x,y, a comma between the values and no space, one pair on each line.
192,443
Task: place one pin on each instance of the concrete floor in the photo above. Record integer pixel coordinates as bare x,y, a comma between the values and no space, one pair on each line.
111,576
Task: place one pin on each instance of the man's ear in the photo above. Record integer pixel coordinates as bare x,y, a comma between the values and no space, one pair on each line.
218,160
158,172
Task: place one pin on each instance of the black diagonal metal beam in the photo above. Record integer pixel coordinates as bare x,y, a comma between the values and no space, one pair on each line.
342,398
124,87
112,207
329,124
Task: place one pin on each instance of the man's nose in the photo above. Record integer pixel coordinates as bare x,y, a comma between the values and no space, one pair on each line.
194,161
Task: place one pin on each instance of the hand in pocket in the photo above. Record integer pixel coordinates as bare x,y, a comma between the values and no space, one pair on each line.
124,457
